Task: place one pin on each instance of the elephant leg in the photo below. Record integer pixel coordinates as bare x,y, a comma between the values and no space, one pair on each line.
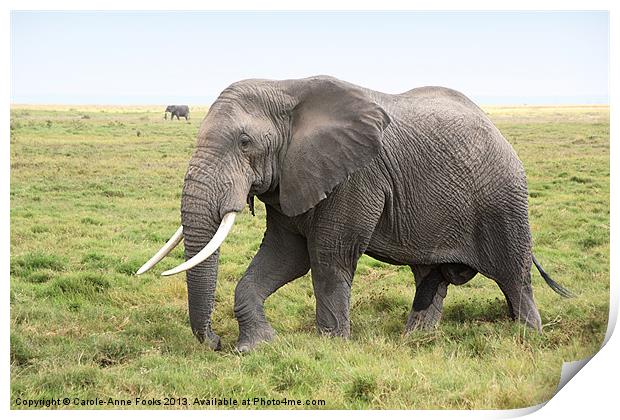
282,257
332,289
340,233
334,254
520,299
431,289
457,274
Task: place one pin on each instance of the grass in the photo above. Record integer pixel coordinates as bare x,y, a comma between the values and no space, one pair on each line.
95,192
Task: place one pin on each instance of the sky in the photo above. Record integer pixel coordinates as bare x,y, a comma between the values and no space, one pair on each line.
190,57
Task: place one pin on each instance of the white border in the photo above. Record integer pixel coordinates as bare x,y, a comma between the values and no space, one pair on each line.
592,393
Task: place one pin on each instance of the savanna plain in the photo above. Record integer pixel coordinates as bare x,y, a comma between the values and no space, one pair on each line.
95,191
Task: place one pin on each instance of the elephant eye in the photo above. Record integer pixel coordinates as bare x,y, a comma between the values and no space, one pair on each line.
244,140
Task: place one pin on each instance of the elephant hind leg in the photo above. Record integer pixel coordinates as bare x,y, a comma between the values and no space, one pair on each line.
457,274
521,305
427,308
431,288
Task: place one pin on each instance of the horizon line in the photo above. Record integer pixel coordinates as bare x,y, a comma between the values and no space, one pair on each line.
137,105
206,100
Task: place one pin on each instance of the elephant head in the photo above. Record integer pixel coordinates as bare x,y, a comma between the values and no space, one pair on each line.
169,108
292,140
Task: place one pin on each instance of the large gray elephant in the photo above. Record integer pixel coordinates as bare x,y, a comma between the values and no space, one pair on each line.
176,111
422,178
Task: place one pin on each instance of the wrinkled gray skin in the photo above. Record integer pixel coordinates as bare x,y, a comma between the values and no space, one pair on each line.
422,178
176,111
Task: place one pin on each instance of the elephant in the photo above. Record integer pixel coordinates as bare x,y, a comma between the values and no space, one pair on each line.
422,178
177,111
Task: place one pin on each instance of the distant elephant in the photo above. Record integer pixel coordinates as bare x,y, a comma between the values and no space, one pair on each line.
177,111
421,178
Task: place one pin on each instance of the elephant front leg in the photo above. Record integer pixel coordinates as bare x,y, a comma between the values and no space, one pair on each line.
332,289
282,257
340,234
427,308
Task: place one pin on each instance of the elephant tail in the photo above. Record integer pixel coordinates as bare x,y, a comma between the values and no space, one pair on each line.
559,289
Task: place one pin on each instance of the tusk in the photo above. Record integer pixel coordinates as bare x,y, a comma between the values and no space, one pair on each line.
172,242
210,248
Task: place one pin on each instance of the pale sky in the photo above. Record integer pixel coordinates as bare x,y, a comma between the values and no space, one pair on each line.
189,57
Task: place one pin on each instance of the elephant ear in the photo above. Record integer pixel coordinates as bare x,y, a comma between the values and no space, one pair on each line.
336,129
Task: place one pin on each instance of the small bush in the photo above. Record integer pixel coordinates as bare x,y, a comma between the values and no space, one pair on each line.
86,284
362,388
113,193
39,229
288,373
591,242
96,281
40,276
71,378
30,262
96,260
21,354
129,267
74,306
90,221
111,350
580,180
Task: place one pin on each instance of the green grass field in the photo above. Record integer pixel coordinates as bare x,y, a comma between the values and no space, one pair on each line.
95,191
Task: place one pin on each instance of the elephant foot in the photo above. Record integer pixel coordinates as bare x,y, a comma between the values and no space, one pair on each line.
527,314
214,342
521,306
532,320
250,339
331,331
210,338
427,305
426,319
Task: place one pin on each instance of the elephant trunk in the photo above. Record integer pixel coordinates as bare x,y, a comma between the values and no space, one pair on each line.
201,283
198,230
209,204
200,219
